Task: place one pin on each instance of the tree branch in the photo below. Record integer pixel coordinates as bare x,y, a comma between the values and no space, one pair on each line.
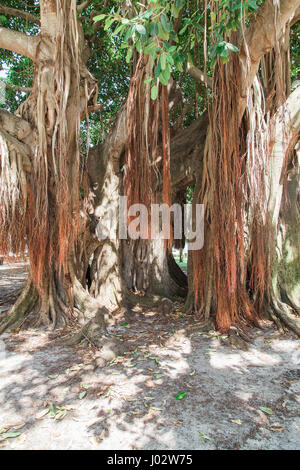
268,26
198,75
20,14
14,125
18,42
83,5
18,88
187,149
296,17
260,38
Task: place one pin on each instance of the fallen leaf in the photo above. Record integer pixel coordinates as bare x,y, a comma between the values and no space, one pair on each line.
268,411
236,421
84,386
51,410
5,429
82,395
15,331
277,429
204,436
41,414
60,415
9,435
102,435
19,426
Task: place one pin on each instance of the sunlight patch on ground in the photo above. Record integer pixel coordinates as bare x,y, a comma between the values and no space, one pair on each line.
240,361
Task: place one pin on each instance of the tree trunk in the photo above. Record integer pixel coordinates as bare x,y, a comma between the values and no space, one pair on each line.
46,178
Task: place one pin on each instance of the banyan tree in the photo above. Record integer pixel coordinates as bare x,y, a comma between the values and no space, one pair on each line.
209,101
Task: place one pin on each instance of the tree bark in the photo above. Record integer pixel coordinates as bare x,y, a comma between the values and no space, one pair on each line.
18,42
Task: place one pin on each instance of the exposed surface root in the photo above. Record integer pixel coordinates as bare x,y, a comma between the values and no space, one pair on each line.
95,333
23,306
165,304
238,339
286,315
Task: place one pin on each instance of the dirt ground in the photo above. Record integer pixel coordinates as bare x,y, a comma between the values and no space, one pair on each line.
173,389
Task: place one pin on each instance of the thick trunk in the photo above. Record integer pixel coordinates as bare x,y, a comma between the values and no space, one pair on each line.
52,305
285,284
106,270
148,268
41,179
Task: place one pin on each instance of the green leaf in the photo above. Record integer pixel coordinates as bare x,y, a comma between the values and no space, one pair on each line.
157,70
179,67
128,34
153,28
150,48
85,386
163,60
162,80
181,395
162,33
129,54
138,46
231,47
180,4
99,17
225,60
54,376
175,11
154,92
268,411
170,59
164,76
148,80
182,31
141,29
119,28
10,435
204,436
165,22
108,23
51,411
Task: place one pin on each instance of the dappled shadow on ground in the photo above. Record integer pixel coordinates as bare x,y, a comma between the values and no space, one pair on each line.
171,390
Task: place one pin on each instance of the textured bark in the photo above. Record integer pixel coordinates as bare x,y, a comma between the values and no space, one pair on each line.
43,146
19,14
18,42
260,38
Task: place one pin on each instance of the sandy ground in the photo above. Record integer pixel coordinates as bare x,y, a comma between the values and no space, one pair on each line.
173,389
